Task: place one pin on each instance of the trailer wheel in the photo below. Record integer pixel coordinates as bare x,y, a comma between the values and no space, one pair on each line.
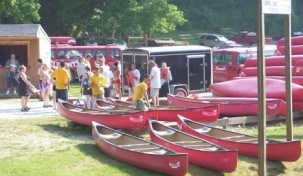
180,92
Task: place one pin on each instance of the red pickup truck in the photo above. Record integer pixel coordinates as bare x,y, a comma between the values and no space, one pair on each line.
248,38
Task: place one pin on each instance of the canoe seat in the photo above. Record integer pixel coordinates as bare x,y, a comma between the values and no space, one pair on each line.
232,137
131,145
247,140
157,152
111,136
165,133
203,130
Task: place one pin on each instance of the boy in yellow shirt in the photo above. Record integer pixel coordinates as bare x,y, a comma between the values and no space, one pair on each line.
140,94
97,83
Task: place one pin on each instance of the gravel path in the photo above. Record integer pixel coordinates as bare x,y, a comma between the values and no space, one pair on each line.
11,109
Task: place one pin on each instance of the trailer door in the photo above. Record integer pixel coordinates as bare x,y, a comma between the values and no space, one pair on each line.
141,63
196,72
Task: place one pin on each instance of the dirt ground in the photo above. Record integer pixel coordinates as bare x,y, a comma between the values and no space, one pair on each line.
11,109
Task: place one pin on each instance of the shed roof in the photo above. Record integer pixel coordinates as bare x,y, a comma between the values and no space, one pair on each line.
21,30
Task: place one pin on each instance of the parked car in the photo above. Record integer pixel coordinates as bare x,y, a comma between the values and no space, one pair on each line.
249,38
216,40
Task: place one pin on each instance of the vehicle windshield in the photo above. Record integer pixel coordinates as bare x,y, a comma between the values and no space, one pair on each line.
69,54
222,38
242,57
222,59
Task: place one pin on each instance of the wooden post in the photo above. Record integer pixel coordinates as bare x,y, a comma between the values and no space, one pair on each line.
261,93
288,77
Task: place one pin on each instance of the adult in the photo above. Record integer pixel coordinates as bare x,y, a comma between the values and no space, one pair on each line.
107,73
165,78
117,80
40,63
97,83
12,65
89,61
133,79
81,69
62,77
140,95
155,84
87,91
24,88
46,85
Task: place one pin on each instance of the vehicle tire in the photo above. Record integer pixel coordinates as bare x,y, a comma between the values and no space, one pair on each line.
72,76
203,44
180,92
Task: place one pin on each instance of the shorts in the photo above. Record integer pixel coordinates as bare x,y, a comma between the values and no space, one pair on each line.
11,82
45,86
140,105
117,81
87,91
154,92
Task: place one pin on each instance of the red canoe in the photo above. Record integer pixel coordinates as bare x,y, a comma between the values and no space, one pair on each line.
245,144
231,106
273,61
294,41
125,120
295,50
138,152
200,152
208,113
248,88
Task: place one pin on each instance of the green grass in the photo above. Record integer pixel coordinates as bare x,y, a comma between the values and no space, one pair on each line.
46,146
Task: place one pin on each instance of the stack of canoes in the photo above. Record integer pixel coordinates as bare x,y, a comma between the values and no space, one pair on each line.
296,45
231,106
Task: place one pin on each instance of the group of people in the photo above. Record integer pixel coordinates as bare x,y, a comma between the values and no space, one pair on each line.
157,80
100,81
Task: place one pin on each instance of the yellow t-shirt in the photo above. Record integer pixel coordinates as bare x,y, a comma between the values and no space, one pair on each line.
139,91
62,78
98,83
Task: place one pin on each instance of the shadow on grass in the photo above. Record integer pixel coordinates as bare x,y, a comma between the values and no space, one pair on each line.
273,167
93,151
80,134
198,171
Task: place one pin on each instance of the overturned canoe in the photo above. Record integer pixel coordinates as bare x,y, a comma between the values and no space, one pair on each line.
245,144
248,88
274,61
134,120
138,152
169,113
200,152
231,106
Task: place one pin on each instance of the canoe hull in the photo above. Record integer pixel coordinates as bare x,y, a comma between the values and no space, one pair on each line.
274,151
223,161
167,164
232,106
131,121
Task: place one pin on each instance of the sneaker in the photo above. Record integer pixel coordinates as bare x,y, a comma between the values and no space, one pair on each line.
7,92
28,108
24,110
45,106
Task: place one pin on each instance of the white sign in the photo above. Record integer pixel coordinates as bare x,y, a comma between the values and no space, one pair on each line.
276,6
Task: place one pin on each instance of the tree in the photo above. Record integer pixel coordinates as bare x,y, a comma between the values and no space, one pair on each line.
19,11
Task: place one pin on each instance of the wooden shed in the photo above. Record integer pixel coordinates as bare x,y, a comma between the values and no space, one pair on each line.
28,42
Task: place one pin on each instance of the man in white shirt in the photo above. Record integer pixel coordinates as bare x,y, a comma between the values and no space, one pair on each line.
134,79
81,69
155,84
100,61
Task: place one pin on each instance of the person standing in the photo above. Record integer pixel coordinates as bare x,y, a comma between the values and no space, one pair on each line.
46,85
12,65
117,80
24,88
81,71
97,83
134,79
155,84
87,91
107,73
140,94
62,77
165,78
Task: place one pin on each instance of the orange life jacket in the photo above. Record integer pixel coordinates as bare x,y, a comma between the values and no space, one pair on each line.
130,78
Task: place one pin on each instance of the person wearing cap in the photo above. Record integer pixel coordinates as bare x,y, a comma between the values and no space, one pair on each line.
62,77
140,94
12,65
155,84
97,83
107,73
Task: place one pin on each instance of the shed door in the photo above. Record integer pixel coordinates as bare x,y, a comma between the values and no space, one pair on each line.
196,72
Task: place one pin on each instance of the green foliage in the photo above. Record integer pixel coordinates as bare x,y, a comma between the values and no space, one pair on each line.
19,11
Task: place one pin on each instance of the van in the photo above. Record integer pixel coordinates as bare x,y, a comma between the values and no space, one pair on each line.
71,55
227,63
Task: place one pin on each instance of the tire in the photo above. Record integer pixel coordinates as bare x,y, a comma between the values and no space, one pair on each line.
180,92
203,44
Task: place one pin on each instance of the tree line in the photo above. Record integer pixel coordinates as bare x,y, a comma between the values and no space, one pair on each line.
114,18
